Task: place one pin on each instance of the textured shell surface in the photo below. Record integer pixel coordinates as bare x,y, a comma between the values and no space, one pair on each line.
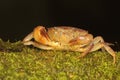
64,34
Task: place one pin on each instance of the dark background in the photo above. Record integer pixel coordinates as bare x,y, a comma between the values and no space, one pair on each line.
99,17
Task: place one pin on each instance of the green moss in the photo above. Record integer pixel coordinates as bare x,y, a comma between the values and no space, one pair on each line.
25,63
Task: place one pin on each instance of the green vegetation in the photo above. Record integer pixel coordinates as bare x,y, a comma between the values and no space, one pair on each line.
18,62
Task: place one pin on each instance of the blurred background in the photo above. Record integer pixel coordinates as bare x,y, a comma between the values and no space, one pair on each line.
99,17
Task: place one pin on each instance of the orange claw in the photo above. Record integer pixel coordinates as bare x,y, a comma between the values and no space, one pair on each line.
40,35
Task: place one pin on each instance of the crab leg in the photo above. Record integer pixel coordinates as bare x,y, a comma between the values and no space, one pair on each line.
85,50
99,44
107,48
28,37
26,41
38,45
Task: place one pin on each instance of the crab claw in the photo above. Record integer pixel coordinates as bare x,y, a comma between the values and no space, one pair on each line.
40,35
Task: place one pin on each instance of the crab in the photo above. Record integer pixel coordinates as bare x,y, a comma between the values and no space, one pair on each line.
66,38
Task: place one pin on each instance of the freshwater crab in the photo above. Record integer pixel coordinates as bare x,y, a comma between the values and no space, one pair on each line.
66,38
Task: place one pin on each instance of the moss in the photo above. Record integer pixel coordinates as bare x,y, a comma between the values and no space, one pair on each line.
21,62
11,47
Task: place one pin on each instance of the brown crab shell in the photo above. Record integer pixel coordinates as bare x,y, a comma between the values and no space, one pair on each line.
64,34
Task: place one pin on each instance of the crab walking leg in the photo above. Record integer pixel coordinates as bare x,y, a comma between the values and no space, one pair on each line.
28,37
35,44
107,48
26,41
98,39
99,43
85,50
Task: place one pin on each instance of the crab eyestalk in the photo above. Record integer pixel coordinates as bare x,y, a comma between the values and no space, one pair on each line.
40,35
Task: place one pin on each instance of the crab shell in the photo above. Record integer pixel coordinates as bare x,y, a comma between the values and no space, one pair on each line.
63,35
67,38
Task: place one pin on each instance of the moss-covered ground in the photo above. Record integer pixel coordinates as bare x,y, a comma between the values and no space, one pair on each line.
19,62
